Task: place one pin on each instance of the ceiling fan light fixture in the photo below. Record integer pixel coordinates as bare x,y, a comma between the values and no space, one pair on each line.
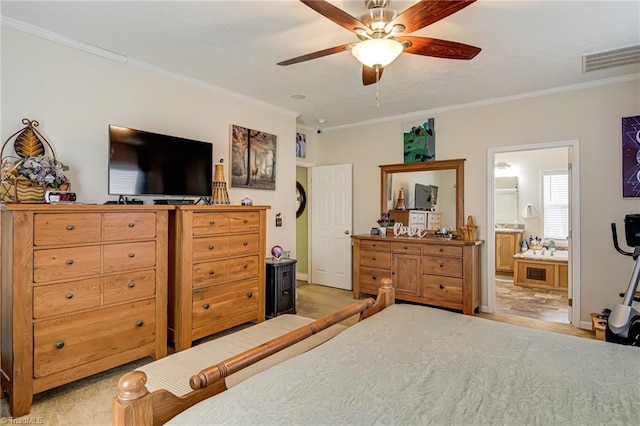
379,51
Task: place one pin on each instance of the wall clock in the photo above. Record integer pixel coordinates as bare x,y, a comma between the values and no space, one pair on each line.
301,199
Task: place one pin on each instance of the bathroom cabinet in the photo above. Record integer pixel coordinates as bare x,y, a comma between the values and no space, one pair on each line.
507,244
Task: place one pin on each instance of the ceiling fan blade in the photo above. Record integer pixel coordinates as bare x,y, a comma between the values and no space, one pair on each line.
318,54
438,48
369,75
426,13
335,14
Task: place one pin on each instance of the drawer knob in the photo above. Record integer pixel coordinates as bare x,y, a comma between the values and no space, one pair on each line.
375,277
405,247
132,255
212,222
132,285
60,344
441,249
245,221
70,296
286,292
211,272
245,266
70,227
245,243
206,306
442,264
250,295
373,258
131,225
70,262
441,286
139,323
211,247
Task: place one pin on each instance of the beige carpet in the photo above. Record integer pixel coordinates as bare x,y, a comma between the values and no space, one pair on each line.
88,401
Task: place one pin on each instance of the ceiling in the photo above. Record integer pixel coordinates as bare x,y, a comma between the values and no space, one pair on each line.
527,46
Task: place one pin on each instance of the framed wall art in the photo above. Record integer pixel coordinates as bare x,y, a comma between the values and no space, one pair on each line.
631,157
253,159
419,141
301,145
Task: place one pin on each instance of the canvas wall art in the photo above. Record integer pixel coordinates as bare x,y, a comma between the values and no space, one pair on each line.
419,141
631,157
253,159
301,145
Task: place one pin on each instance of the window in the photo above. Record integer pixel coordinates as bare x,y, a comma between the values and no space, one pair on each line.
556,205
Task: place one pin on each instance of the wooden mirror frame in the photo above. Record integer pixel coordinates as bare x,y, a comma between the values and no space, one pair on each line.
457,165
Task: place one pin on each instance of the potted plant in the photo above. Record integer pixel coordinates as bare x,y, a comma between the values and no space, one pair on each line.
385,222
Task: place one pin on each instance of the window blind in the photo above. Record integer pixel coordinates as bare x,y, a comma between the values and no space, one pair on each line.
556,205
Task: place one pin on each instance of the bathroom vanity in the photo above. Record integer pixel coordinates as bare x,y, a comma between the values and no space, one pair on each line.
542,270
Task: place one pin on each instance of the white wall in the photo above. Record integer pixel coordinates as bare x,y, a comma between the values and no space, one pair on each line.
590,115
75,96
528,167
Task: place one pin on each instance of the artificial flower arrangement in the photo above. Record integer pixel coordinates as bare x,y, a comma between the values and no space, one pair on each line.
385,221
45,170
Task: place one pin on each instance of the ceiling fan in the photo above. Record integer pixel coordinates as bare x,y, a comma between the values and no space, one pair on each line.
383,34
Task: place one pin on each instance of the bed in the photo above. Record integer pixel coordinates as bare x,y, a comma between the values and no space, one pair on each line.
409,364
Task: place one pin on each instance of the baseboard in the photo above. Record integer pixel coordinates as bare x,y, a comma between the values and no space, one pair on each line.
302,276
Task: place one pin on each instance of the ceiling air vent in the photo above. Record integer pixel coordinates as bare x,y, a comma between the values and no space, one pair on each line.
611,58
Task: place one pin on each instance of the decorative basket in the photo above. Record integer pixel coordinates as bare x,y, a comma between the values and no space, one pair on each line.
19,189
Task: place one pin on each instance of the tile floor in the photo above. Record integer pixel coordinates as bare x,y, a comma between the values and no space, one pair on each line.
543,304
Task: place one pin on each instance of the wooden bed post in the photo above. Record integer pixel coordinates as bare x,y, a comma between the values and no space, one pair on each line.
133,404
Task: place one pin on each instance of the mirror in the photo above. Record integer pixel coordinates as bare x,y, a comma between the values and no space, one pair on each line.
447,176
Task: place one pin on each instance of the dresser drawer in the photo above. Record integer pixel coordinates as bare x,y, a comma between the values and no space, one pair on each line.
66,228
210,248
64,298
448,266
126,257
57,264
244,244
375,259
210,223
66,342
371,279
209,273
372,245
130,286
449,251
243,267
128,226
223,306
402,247
441,290
244,222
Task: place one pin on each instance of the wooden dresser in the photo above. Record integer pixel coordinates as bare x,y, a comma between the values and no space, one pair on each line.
443,273
216,270
84,289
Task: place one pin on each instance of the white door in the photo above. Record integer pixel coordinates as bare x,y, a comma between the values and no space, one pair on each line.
331,223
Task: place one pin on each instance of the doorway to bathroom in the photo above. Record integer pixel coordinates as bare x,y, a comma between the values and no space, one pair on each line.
533,212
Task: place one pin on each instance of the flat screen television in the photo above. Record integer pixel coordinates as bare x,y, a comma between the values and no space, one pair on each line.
426,196
145,163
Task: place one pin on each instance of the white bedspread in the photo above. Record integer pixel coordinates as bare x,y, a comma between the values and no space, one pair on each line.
413,365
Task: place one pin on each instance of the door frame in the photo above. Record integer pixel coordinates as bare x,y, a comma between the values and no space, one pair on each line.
574,231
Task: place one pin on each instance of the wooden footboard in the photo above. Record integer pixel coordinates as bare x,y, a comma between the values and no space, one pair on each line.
135,405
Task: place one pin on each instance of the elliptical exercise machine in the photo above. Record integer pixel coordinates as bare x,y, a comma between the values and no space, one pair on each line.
623,325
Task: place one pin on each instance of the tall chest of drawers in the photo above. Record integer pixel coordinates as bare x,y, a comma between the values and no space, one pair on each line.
84,289
442,273
217,272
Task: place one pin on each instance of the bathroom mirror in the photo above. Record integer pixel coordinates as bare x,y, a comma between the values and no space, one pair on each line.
446,175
